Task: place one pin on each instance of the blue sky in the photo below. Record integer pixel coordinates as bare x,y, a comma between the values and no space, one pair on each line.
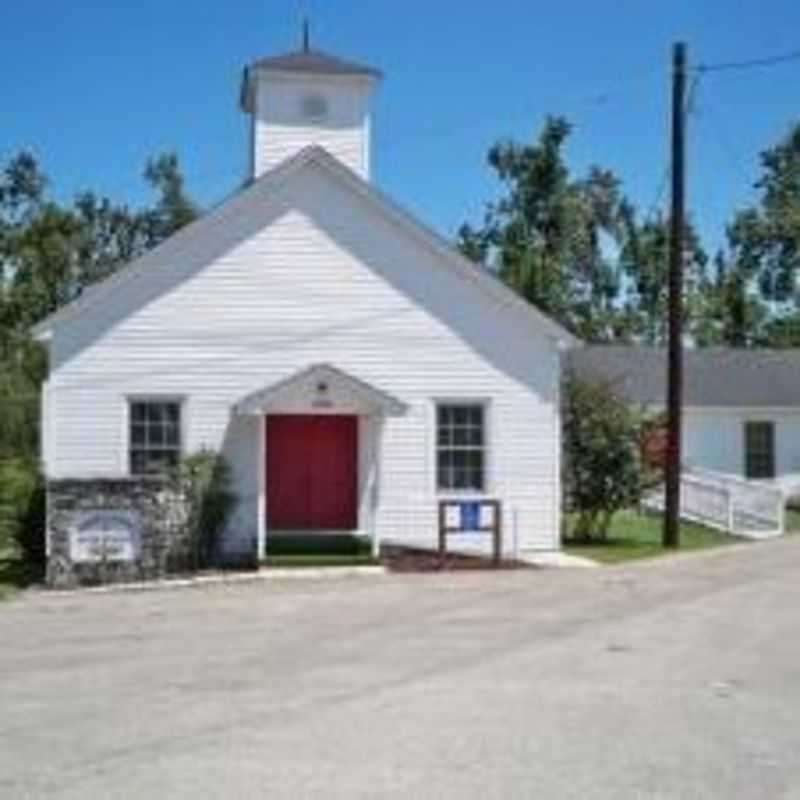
94,88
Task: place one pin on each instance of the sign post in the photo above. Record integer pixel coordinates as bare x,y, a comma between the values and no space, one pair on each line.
471,516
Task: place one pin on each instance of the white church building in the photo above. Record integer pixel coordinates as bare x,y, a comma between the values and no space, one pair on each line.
349,364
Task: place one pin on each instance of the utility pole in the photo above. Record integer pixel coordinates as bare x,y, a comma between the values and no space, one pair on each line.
672,483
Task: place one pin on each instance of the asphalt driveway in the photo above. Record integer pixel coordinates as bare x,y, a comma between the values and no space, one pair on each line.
670,679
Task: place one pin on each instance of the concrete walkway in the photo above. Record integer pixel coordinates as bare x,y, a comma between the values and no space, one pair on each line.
675,678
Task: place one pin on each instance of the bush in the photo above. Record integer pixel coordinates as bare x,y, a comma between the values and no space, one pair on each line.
205,481
603,469
23,511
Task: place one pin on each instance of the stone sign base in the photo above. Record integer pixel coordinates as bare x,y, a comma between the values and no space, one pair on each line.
113,530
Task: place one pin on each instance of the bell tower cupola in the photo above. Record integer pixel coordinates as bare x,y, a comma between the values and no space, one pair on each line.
308,97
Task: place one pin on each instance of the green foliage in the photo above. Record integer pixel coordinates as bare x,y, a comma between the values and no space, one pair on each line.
205,481
174,209
578,249
50,252
755,299
644,259
22,510
546,234
603,470
766,238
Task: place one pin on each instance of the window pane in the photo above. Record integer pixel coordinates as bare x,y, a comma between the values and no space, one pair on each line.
137,462
460,459
137,434
138,412
155,412
172,434
156,435
173,413
460,415
462,436
475,416
476,479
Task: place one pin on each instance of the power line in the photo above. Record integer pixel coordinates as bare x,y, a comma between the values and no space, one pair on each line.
754,63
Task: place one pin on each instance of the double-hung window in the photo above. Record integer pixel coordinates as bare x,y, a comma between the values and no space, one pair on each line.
460,447
154,436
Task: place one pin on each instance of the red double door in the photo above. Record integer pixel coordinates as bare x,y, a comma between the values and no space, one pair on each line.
312,471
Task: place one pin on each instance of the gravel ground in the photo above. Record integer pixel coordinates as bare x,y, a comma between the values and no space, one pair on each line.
677,678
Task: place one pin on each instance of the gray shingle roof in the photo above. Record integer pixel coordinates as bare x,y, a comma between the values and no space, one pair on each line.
314,61
712,377
304,61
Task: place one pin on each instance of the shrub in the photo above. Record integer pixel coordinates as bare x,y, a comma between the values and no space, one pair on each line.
22,510
603,470
205,481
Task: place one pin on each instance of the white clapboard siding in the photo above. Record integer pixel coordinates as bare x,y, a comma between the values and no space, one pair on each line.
713,438
314,274
280,130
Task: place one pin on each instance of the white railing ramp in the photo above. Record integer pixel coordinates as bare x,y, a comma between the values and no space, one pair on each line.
727,502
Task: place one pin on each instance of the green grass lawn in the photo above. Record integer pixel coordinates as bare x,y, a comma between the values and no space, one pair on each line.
634,536
308,550
792,520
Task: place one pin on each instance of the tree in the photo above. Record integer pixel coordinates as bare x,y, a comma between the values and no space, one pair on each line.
734,313
603,469
173,209
550,235
764,251
644,261
49,254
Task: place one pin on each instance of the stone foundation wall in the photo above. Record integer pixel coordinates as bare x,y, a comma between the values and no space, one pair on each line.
112,530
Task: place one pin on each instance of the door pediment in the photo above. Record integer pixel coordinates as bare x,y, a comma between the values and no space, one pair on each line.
321,389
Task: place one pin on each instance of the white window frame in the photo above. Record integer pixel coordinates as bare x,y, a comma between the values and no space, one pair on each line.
128,402
488,446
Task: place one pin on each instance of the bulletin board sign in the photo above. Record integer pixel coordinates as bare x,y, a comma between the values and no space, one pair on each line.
479,517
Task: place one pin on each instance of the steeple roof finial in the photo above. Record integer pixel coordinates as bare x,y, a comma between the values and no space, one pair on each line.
306,36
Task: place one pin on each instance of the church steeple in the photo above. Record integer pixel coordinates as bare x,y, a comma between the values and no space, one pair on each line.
308,97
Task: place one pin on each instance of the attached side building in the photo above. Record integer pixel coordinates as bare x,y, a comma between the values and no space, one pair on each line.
742,407
350,365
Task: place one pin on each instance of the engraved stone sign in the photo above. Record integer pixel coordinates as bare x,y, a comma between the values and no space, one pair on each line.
107,535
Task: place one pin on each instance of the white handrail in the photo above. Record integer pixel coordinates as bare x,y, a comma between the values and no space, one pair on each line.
730,503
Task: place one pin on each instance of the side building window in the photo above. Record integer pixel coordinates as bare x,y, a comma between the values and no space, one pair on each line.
759,449
154,436
460,447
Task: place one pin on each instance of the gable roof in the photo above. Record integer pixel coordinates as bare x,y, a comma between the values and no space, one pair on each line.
261,190
713,377
338,384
